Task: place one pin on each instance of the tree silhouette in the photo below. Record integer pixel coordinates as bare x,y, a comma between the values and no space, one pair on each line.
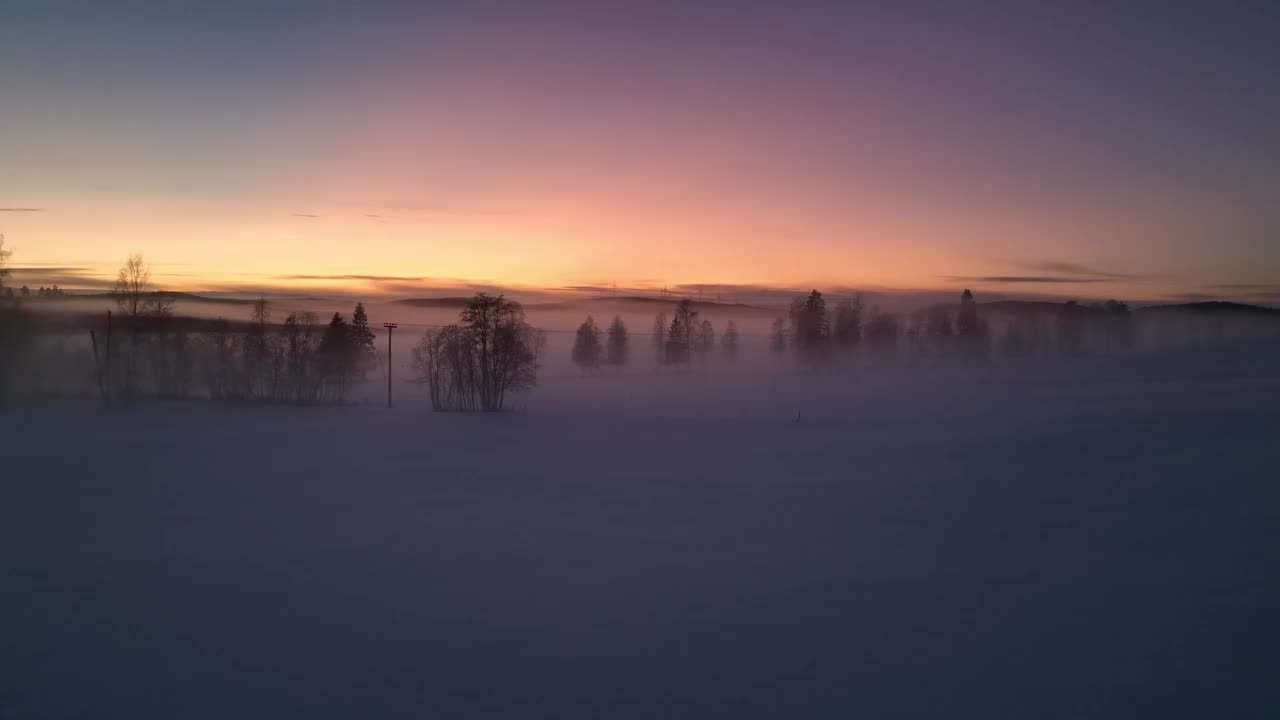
970,330
1117,325
301,379
474,364
586,345
1071,328
363,339
506,348
1015,343
847,331
5,254
445,362
680,337
617,347
133,292
778,337
260,379
338,353
688,329
133,282
677,349
704,340
660,338
938,328
882,333
967,320
729,342
812,331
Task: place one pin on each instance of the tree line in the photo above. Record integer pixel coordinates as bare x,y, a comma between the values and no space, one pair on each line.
142,350
492,351
816,334
683,340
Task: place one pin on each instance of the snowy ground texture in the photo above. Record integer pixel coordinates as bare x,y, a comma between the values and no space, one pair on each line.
1089,540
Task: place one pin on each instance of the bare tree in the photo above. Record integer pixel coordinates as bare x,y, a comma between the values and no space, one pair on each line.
474,364
217,361
302,381
133,287
507,348
257,379
660,337
445,362
4,262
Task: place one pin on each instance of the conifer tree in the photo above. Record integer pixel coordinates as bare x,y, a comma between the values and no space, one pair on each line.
586,345
337,356
967,320
729,342
677,348
617,347
847,332
778,337
704,339
812,331
681,334
363,339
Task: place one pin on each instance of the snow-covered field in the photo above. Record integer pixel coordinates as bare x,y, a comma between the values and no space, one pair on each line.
1075,540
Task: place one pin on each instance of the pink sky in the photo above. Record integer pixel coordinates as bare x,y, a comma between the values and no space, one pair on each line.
820,148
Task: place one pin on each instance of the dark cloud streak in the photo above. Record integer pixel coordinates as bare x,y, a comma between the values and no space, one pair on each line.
1053,279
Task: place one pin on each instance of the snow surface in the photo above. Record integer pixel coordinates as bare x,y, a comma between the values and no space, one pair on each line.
1077,540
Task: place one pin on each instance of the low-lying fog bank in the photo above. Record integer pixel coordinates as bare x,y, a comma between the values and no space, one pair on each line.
1089,538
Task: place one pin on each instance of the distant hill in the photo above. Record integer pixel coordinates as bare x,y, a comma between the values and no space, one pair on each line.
1035,307
629,302
1215,308
641,302
167,295
444,302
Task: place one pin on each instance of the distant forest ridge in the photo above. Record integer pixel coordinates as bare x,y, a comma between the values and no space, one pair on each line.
1018,307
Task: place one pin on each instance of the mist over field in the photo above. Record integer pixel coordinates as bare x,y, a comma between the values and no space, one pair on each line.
910,534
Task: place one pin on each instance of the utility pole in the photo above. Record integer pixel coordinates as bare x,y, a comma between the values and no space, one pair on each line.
390,327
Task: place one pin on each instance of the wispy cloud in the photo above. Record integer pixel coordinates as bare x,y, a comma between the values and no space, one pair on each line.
1242,292
21,209
1270,287
1076,269
78,278
366,278
304,215
1054,279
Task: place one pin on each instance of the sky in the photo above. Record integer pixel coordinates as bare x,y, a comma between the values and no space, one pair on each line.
1084,149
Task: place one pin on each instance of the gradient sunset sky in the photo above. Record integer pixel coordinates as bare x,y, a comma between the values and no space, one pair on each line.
1091,149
